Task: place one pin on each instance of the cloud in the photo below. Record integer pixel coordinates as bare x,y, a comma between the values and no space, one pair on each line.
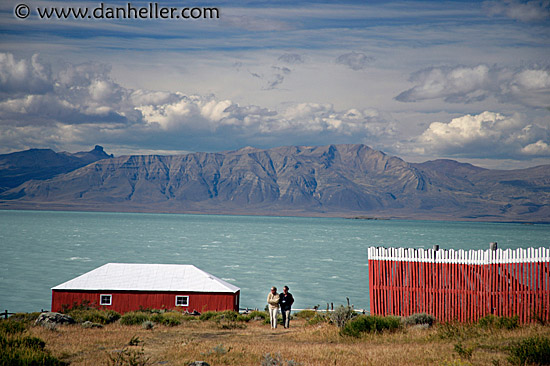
539,148
77,94
208,113
487,135
82,105
530,11
23,76
463,84
355,60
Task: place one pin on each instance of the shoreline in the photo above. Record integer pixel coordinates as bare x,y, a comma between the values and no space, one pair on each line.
59,207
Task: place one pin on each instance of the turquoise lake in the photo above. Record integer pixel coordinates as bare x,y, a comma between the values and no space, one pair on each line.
322,260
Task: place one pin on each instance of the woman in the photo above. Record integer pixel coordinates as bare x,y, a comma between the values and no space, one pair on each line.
273,303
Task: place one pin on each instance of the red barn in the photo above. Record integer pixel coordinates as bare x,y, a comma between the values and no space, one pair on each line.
127,287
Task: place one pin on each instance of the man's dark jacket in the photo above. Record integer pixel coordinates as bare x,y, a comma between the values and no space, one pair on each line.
285,301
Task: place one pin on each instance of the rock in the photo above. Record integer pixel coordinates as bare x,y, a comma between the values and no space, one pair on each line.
52,319
199,363
89,324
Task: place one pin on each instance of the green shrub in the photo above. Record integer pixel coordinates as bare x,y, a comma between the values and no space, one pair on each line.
230,325
498,322
306,314
227,315
318,318
341,315
94,316
129,357
457,331
12,327
533,350
370,324
134,341
16,349
541,315
157,318
134,318
84,305
207,315
172,318
27,318
254,315
169,318
421,318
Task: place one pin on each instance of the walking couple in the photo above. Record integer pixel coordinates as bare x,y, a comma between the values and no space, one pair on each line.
284,301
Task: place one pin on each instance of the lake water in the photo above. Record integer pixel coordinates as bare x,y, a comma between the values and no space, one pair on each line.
322,260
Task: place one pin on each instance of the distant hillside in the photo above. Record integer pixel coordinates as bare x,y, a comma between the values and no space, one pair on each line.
40,164
335,180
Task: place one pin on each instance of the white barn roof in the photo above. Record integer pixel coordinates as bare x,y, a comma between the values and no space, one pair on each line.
148,277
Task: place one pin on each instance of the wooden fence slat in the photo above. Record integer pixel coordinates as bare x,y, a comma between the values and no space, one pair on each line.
460,285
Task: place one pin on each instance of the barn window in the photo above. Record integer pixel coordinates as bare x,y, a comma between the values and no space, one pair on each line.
182,300
105,299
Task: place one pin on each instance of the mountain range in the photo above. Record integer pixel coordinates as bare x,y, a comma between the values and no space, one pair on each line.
335,180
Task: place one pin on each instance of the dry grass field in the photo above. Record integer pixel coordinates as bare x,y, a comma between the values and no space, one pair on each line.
303,344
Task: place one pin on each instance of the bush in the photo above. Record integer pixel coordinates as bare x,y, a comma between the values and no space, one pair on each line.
370,324
254,315
169,318
318,318
533,350
26,318
94,316
207,315
16,349
498,322
421,318
134,318
12,327
464,352
306,314
228,315
126,357
457,331
341,315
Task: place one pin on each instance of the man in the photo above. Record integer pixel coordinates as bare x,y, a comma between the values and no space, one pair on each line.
273,303
286,301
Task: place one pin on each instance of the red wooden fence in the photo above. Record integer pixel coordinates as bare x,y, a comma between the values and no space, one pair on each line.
460,285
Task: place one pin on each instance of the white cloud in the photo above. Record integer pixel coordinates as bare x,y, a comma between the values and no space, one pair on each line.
530,11
538,148
208,113
487,134
83,103
23,76
462,84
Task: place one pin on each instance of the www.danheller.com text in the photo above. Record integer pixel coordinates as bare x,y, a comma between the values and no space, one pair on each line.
128,11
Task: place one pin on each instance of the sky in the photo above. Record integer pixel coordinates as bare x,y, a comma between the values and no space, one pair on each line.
421,80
